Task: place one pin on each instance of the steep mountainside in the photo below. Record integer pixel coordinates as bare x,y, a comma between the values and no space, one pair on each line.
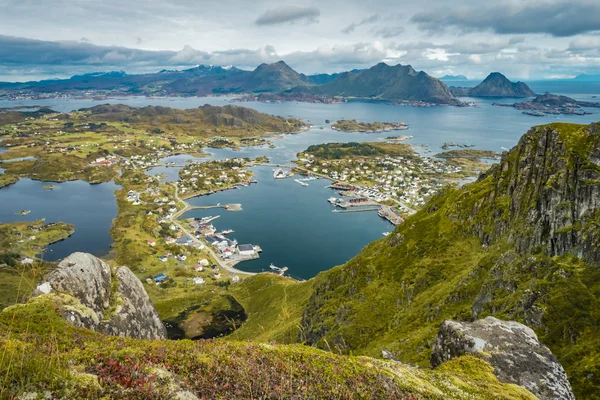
520,243
386,82
496,85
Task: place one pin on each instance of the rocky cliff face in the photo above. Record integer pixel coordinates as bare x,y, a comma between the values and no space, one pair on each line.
547,193
511,348
115,305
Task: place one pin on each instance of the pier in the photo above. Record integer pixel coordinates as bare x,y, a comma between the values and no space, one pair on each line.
227,207
356,210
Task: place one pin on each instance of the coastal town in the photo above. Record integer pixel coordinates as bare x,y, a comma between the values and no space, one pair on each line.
403,177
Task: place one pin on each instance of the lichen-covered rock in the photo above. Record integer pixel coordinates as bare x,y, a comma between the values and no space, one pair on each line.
511,348
98,302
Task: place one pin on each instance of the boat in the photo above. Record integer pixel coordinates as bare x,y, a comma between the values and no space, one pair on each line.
49,187
273,267
386,233
227,231
279,173
332,200
300,182
23,212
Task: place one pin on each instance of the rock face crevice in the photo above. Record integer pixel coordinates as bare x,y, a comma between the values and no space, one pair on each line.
116,305
511,348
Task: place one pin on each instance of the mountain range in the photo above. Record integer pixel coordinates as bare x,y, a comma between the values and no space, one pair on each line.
380,82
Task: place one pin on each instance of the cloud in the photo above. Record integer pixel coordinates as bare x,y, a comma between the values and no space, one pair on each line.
584,43
557,18
288,14
365,21
388,32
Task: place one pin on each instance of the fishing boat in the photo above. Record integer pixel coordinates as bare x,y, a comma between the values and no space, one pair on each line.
23,212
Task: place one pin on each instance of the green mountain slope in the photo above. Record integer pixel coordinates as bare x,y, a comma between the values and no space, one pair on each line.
520,243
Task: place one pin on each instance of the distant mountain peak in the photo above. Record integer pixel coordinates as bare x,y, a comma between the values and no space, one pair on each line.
496,85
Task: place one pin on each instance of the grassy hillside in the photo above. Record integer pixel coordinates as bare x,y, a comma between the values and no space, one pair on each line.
520,243
205,121
42,354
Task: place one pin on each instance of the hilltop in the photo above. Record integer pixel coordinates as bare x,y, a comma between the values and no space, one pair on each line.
496,85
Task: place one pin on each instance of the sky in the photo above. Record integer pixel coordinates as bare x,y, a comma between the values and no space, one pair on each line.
524,39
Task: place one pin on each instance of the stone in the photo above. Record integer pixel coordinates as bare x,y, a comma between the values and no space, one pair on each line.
44,288
94,302
511,348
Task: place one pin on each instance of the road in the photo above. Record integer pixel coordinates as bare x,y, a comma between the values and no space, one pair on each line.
218,259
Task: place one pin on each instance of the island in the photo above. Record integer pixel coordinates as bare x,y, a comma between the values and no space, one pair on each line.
552,104
368,127
495,85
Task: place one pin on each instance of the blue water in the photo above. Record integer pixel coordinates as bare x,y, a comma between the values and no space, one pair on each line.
293,224
91,208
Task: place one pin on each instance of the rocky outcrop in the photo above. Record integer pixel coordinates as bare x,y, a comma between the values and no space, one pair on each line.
511,348
546,193
116,305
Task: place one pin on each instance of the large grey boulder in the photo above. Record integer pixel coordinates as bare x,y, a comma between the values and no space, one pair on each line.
115,305
512,349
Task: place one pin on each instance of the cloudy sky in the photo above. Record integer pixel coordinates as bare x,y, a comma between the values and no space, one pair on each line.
526,39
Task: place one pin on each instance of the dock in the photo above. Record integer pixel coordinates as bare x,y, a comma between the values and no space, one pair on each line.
227,207
356,210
